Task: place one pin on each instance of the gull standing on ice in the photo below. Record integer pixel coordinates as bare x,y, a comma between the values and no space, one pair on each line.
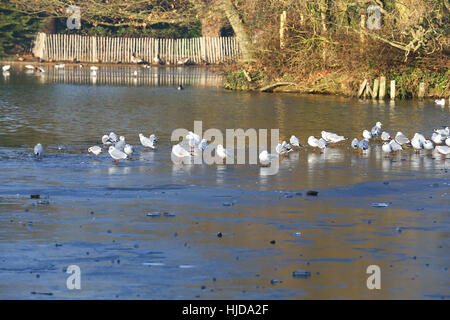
385,136
401,139
106,139
128,149
116,154
222,152
265,157
38,151
294,141
148,142
376,130
367,134
95,150
180,152
332,137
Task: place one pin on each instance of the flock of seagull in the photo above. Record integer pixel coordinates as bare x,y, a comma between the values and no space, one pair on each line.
118,149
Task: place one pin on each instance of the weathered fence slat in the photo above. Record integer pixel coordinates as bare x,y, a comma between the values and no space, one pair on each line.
64,47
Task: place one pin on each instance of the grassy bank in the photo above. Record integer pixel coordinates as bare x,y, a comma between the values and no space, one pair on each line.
339,82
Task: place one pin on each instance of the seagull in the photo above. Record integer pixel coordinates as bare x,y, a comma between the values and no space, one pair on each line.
116,154
59,66
355,143
376,130
314,142
203,145
438,138
6,68
332,137
94,68
440,102
428,145
386,147
128,149
447,141
265,157
395,146
294,141
38,151
106,139
363,144
113,137
183,61
443,149
443,131
392,146
180,152
148,142
180,87
417,142
39,69
121,143
283,148
135,73
385,136
193,139
401,139
367,134
222,152
95,150
29,67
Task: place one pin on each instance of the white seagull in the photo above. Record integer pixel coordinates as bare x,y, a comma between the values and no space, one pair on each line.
438,138
38,151
355,143
106,139
283,148
121,143
222,152
265,158
128,149
443,149
116,154
95,150
6,68
203,145
443,131
363,145
417,141
180,152
367,134
401,139
113,137
385,136
59,66
332,137
376,130
294,141
148,142
428,145
440,102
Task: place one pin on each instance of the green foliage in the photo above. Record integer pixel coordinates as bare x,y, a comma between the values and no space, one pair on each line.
237,79
17,31
408,79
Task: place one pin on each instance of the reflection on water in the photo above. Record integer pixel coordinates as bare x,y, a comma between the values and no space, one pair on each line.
124,76
97,211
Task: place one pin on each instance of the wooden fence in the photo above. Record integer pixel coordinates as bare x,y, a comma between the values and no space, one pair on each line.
63,47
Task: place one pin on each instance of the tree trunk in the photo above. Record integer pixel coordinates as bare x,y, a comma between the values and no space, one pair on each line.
240,30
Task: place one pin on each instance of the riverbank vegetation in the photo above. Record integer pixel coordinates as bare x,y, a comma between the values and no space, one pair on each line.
319,46
331,46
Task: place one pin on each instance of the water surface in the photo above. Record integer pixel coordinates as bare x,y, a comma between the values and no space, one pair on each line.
94,213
